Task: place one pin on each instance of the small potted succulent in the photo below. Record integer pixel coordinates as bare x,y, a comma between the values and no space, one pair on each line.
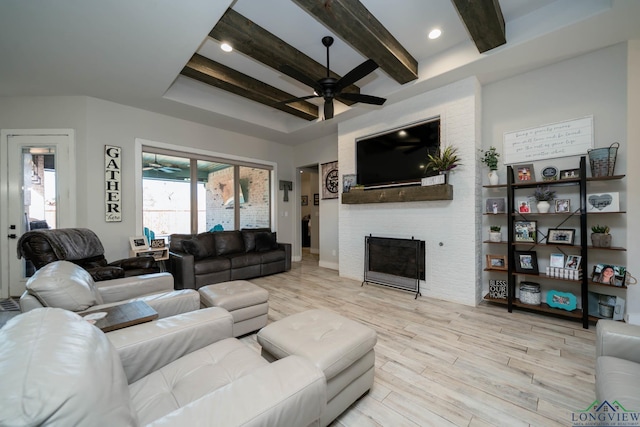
490,158
444,161
543,196
494,233
600,237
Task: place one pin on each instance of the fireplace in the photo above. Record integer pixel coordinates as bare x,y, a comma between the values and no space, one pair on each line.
398,263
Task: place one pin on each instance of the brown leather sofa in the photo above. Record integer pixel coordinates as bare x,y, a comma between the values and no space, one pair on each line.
80,246
221,256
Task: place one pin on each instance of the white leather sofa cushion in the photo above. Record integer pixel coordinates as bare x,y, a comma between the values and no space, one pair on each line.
65,285
125,288
191,377
87,387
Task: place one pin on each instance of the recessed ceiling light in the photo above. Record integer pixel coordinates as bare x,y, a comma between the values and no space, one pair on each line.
435,33
226,47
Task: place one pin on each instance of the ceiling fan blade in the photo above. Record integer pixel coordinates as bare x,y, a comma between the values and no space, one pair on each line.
295,74
289,101
359,97
356,74
328,109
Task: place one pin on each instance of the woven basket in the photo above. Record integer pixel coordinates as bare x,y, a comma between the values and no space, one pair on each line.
603,160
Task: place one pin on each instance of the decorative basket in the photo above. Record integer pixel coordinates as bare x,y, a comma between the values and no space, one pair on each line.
603,160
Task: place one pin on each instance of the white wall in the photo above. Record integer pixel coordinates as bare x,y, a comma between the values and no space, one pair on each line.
448,227
99,122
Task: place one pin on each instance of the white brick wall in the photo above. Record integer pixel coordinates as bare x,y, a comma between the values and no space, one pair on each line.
450,228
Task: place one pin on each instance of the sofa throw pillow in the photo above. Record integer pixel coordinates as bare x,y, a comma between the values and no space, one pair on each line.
249,236
265,241
195,247
228,242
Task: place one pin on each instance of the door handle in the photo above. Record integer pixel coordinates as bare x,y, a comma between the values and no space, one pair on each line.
12,236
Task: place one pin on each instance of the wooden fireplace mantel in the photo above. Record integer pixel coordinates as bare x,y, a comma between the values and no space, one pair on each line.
399,194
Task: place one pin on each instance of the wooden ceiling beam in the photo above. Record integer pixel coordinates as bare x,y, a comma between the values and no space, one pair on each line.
254,41
484,22
353,23
220,76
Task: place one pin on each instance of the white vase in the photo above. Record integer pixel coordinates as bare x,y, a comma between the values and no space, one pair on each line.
493,177
543,206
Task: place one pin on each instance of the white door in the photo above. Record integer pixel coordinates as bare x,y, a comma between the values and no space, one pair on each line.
39,182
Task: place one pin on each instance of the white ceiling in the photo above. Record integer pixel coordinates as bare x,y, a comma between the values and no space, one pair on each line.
132,51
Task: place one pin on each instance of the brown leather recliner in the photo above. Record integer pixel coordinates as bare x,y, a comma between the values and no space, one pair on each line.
82,247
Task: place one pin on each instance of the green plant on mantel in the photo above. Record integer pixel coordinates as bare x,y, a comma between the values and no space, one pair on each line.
602,229
544,194
444,160
490,158
495,228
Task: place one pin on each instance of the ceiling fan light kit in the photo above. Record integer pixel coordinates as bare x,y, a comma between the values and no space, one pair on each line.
330,88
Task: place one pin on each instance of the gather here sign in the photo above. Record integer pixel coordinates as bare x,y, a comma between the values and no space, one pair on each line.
112,169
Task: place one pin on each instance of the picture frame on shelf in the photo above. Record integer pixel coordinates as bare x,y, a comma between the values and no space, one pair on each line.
496,206
348,181
157,244
556,260
524,173
573,262
496,262
570,173
525,231
608,274
497,289
563,300
603,202
550,173
524,206
563,205
526,262
560,236
138,243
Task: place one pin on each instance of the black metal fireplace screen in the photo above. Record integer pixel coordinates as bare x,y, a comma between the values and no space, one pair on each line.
398,263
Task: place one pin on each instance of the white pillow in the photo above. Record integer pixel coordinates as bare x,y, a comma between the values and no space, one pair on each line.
64,284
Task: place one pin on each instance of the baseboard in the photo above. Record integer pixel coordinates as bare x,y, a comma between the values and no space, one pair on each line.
296,258
329,265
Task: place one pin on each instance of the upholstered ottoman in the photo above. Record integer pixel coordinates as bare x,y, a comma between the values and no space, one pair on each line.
340,347
247,303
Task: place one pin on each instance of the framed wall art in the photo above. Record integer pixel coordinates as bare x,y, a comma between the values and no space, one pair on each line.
523,173
563,205
525,231
497,262
608,274
573,262
526,262
603,202
138,243
496,206
157,243
348,181
570,174
560,236
330,180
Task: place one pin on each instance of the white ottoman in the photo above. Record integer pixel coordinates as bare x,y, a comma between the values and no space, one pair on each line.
247,303
340,347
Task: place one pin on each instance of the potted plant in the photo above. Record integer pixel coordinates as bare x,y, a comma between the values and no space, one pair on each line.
494,233
490,159
600,238
444,161
543,196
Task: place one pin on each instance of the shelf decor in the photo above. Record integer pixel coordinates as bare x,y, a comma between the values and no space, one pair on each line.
526,262
563,300
498,289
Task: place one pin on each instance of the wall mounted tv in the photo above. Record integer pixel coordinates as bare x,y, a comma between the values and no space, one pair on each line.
397,157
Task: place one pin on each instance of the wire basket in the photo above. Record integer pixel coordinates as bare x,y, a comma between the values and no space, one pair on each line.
603,160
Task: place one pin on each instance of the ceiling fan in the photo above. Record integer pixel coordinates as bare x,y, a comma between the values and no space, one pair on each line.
330,88
160,167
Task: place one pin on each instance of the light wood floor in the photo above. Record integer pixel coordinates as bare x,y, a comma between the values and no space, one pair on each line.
445,364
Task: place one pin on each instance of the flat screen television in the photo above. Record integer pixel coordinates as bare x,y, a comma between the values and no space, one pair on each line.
397,157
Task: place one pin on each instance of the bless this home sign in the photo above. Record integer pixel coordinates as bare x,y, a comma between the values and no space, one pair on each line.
112,169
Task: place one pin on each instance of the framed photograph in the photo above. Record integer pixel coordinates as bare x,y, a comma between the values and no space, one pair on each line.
550,173
525,231
157,243
348,181
497,262
138,243
496,206
570,174
556,260
603,202
573,262
526,262
563,205
524,206
560,236
564,300
524,173
608,274
316,199
304,200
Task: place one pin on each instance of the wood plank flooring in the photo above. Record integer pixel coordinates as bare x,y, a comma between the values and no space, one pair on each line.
445,364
